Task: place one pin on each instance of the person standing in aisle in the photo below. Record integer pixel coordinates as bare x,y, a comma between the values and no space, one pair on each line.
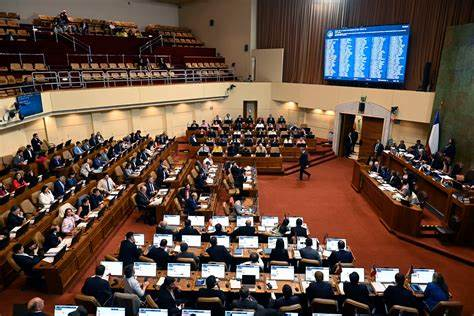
304,163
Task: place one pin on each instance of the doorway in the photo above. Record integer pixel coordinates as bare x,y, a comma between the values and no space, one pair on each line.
250,109
346,126
372,128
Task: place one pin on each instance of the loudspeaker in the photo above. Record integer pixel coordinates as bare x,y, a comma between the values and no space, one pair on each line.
361,107
425,83
211,22
246,47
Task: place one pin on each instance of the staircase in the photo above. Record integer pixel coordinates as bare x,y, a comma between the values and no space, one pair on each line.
322,157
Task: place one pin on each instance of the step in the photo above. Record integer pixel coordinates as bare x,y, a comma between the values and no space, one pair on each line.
315,163
311,160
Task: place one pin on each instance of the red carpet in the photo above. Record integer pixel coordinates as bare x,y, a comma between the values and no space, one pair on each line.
329,205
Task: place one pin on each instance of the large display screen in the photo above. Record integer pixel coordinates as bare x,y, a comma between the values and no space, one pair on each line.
29,104
371,54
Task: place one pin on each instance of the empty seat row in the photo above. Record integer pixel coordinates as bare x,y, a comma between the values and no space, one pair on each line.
205,65
123,75
176,34
182,41
9,15
9,23
112,66
20,32
28,67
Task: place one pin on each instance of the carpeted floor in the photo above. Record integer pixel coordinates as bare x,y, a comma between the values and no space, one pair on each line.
329,205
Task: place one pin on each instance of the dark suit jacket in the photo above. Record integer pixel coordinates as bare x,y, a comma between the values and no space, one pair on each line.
95,200
26,263
319,290
343,256
247,304
303,160
128,253
244,231
356,292
142,201
299,231
13,221
36,144
205,292
51,240
279,255
54,163
190,206
219,253
59,188
188,254
186,231
29,155
398,295
282,301
99,288
150,188
310,253
163,231
160,256
166,301
71,183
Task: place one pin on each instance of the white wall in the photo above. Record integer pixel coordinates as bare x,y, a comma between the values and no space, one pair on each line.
268,64
142,12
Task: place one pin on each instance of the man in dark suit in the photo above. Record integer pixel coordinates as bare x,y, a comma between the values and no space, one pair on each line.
59,188
143,204
304,163
15,218
271,120
161,174
398,295
378,148
286,300
319,288
97,287
35,307
150,188
218,231
26,262
210,290
71,181
56,163
36,143
184,253
190,204
309,252
341,255
28,154
299,230
186,230
96,198
247,230
246,301
51,240
160,255
395,180
356,291
163,229
218,253
354,138
129,253
167,296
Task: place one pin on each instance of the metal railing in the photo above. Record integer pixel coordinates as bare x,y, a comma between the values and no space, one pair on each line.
74,41
150,44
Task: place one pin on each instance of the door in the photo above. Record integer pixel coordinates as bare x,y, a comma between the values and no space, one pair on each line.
250,108
347,123
372,129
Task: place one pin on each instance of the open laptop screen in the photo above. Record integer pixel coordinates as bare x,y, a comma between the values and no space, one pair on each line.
422,276
192,240
157,238
243,269
114,268
172,220
196,220
223,220
386,275
272,242
346,271
248,242
240,221
215,269
145,269
310,271
64,310
286,273
152,312
179,270
110,311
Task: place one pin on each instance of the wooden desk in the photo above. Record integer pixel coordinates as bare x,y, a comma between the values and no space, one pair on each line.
266,165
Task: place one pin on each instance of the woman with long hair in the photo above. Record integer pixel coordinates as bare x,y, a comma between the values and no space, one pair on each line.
436,291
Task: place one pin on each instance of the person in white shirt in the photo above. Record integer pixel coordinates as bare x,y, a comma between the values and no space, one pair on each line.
106,184
131,284
69,221
260,125
255,260
86,168
260,149
208,161
46,197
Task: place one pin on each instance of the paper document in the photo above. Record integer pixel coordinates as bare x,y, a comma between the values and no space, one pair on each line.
48,259
234,284
378,287
340,286
273,284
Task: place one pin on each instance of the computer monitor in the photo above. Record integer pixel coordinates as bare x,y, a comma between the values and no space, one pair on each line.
286,273
301,243
422,276
64,310
157,238
179,270
215,269
292,220
386,275
243,269
223,241
152,312
223,220
242,219
346,271
110,311
310,271
248,242
197,220
139,239
172,220
192,240
331,243
195,312
272,242
239,313
269,221
296,314
114,268
145,269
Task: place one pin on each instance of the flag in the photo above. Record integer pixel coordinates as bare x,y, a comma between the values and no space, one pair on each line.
373,272
433,142
324,238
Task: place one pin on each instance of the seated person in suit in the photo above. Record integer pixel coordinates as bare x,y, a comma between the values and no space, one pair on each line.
247,230
218,231
106,184
356,291
52,239
160,255
184,253
255,260
77,150
85,208
191,205
286,300
201,184
60,187
399,295
151,189
30,178
186,230
143,204
319,288
436,292
162,228
246,301
28,154
71,181
131,284
309,252
35,307
340,256
218,253
15,217
167,297
97,287
299,230
283,228
56,163
279,253
210,289
96,199
26,262
184,193
129,253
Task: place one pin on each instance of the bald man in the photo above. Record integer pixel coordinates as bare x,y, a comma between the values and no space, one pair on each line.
163,228
35,307
247,230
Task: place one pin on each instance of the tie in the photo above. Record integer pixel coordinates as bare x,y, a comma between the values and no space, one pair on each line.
108,185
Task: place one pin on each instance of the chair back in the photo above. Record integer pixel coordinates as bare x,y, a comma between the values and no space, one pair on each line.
110,258
134,199
170,160
278,263
150,303
295,308
325,306
178,206
38,238
351,307
211,303
308,263
89,302
27,207
145,259
190,180
188,260
399,310
166,164
449,308
131,302
34,197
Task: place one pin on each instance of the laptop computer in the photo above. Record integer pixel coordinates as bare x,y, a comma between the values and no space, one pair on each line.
420,278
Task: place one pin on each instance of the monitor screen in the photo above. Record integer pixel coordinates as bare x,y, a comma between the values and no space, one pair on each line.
301,243
242,219
152,312
179,270
145,269
346,271
215,269
422,276
286,273
139,239
223,220
248,242
223,241
310,271
196,220
64,310
110,311
29,104
195,312
386,275
292,220
369,54
114,268
192,240
243,269
331,244
157,238
269,221
172,220
239,313
272,242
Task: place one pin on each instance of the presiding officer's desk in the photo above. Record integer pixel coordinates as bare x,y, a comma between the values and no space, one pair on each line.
267,164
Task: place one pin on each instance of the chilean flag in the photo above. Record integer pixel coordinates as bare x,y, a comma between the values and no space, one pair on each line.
433,142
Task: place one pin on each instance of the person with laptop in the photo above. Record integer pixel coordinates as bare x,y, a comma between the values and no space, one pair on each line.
286,300
131,284
15,217
129,253
309,252
246,301
356,291
159,254
96,199
283,228
212,289
319,288
340,256
247,230
279,253
163,229
218,231
191,204
255,260
35,307
184,253
97,287
46,197
143,204
299,230
167,296
52,239
399,295
26,262
217,252
436,291
186,230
